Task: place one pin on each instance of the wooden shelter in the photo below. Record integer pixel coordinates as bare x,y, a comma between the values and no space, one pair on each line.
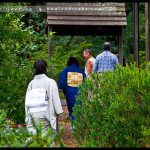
97,18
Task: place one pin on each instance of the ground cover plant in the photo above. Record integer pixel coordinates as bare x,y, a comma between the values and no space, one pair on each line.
13,135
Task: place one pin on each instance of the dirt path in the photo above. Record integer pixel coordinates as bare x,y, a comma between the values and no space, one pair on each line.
67,137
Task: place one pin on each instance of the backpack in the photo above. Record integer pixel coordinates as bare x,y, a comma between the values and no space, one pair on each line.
36,100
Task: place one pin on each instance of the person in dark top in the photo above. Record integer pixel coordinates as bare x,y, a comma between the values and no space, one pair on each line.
69,80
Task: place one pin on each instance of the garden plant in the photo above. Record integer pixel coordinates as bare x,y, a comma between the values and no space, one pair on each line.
118,113
13,135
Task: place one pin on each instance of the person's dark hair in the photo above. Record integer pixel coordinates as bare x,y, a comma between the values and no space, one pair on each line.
106,46
88,51
40,66
72,60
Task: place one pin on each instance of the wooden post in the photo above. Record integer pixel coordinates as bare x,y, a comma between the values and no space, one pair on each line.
147,31
50,49
50,45
120,46
136,33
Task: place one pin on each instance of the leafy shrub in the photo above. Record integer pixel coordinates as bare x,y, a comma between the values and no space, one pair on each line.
118,114
20,47
10,136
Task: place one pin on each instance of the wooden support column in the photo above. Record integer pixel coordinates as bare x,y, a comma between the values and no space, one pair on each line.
50,45
136,33
50,50
120,46
147,31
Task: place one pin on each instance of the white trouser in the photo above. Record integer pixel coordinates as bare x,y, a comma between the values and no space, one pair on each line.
43,120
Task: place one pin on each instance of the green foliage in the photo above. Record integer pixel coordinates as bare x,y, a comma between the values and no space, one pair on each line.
20,46
20,137
142,59
118,114
128,36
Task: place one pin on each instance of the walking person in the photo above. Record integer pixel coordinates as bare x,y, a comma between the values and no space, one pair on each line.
50,110
87,54
106,60
69,79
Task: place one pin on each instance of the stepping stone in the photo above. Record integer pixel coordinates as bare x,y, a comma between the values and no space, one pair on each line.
63,102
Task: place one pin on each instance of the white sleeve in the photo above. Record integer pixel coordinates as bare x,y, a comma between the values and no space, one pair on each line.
26,108
56,99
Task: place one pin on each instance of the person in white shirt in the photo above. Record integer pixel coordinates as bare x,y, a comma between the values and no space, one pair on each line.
90,62
53,107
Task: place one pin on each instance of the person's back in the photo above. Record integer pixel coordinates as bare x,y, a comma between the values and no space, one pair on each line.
63,81
106,60
69,80
74,68
52,107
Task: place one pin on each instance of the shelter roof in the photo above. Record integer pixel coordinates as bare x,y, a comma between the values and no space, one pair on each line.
104,15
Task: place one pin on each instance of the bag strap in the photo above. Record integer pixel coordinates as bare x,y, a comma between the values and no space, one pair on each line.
44,88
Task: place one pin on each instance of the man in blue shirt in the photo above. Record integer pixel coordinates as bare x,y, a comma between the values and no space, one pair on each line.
106,60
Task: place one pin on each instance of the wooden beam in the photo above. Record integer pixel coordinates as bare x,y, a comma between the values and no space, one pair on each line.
86,13
92,23
50,45
88,18
105,4
136,33
100,9
147,31
120,46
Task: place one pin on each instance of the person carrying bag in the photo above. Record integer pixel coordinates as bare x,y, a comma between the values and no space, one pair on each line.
42,99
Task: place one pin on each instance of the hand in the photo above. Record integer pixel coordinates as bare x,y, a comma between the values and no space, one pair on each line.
57,115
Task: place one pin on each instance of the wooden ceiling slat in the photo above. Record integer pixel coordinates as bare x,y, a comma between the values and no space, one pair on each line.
110,23
102,4
85,18
107,13
98,9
